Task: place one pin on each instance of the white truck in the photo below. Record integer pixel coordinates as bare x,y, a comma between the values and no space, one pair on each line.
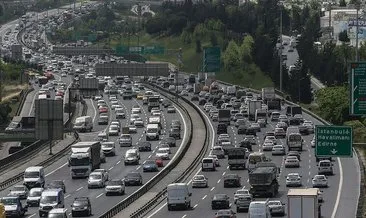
294,139
83,124
153,101
236,158
178,195
261,114
303,203
268,93
253,106
155,120
152,132
84,158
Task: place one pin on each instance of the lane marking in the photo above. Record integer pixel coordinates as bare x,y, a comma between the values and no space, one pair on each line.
334,213
79,188
32,215
184,215
99,195
203,198
56,169
67,196
110,168
212,189
218,181
118,162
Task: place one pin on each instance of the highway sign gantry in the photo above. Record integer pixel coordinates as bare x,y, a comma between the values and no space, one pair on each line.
211,59
358,88
333,141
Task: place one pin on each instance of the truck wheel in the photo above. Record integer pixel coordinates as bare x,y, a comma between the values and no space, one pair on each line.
169,208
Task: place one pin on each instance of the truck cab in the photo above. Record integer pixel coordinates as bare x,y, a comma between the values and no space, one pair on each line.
13,206
152,132
178,195
34,177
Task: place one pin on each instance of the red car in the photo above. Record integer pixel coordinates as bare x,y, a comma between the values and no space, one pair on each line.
60,94
103,110
159,162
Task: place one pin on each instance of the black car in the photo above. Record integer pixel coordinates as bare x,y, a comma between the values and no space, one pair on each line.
57,184
170,141
195,98
133,178
251,131
303,130
220,201
144,146
175,124
221,129
232,180
81,207
174,132
150,166
202,101
242,130
246,144
166,103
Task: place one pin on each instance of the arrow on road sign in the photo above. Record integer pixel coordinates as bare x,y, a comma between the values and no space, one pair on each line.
333,151
354,89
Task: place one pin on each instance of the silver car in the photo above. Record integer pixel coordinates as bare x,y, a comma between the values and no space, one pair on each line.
276,207
319,181
20,191
116,186
278,150
292,161
34,196
199,181
96,179
293,179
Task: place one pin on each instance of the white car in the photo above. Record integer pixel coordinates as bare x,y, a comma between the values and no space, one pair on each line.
292,161
109,148
199,181
218,151
267,145
132,128
139,122
136,108
113,130
104,172
319,181
133,118
115,186
163,153
278,150
63,75
293,179
273,138
96,179
241,192
217,162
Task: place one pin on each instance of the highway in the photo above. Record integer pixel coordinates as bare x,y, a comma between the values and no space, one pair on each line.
115,165
341,193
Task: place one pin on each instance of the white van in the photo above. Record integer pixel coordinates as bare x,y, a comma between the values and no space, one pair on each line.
152,132
51,199
34,177
178,195
259,209
325,167
83,124
58,213
208,164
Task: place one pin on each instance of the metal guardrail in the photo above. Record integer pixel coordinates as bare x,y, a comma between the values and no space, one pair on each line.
145,188
159,197
23,97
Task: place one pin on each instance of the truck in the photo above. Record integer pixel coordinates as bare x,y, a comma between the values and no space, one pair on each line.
303,203
214,88
84,158
12,206
274,105
253,106
263,180
197,88
153,101
224,116
240,93
294,139
268,93
236,158
201,77
261,114
155,120
293,110
178,195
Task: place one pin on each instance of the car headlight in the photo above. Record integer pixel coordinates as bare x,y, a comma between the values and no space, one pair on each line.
85,208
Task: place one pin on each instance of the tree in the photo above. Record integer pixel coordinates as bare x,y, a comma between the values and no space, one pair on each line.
343,36
213,39
231,56
342,3
198,46
246,50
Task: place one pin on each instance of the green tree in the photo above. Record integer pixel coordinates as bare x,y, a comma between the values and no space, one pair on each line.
342,3
246,50
213,39
198,46
343,36
231,56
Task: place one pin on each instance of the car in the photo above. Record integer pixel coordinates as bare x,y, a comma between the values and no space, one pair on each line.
255,126
293,179
303,129
232,180
163,153
271,137
267,145
81,206
63,75
113,130
251,139
159,161
103,110
132,128
57,184
216,159
276,207
174,132
163,145
280,133
312,143
115,186
20,191
292,161
194,98
278,150
166,103
150,166
138,122
199,181
13,207
240,192
144,146
34,196
96,180
242,129
171,141
220,201
282,125
225,214
133,178
120,114
294,153
240,122
319,181
109,148
104,172
125,140
132,157
243,202
171,109
218,151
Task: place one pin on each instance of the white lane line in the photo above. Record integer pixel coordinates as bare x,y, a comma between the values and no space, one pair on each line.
218,181
99,195
203,198
110,168
138,167
212,189
32,105
334,213
223,174
32,215
157,210
94,109
79,188
118,162
56,169
149,156
184,216
67,196
195,205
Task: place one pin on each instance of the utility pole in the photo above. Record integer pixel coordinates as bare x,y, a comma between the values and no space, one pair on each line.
281,4
357,9
180,62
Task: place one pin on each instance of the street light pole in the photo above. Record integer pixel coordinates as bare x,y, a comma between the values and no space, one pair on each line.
357,9
280,4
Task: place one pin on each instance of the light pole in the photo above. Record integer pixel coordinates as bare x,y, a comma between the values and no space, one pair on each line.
357,9
280,3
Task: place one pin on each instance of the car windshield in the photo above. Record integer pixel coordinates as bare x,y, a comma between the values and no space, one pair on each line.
131,154
319,177
31,174
133,175
9,201
161,151
242,192
151,130
35,193
292,176
219,196
108,145
80,202
56,215
274,203
199,177
115,182
48,199
125,136
95,176
18,188
149,162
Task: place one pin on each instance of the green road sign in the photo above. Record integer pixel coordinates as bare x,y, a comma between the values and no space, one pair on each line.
358,88
211,59
333,141
143,50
